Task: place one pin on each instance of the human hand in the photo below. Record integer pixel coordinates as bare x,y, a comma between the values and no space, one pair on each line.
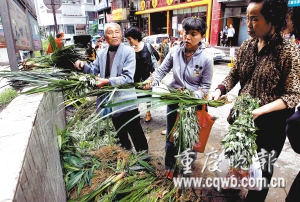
101,82
79,65
216,95
181,89
147,84
257,112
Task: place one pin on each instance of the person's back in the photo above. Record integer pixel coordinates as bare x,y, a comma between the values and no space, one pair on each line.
59,43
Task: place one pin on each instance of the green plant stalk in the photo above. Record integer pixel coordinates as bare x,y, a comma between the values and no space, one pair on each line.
108,131
240,138
108,182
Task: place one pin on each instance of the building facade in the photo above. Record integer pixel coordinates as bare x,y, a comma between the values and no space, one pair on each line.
232,12
165,16
103,10
73,17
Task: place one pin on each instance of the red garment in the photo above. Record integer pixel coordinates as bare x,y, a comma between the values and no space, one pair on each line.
59,44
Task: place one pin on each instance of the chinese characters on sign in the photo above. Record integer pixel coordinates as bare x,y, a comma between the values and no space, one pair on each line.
293,3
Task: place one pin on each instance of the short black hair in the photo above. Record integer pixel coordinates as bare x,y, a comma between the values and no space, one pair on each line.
134,33
58,36
275,12
193,23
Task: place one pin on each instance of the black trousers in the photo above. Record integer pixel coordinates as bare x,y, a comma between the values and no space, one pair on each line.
270,137
229,41
134,129
170,148
294,193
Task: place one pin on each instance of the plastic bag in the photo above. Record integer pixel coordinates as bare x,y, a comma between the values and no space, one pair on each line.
250,179
206,122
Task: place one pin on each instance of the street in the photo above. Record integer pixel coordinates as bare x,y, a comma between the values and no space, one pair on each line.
287,163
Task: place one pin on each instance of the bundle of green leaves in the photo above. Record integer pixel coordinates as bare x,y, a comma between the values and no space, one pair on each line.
60,58
186,128
239,142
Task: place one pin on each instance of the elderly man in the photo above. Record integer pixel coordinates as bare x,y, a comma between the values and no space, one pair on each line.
115,65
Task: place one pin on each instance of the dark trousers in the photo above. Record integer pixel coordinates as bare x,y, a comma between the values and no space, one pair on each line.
270,136
134,129
170,150
229,41
294,193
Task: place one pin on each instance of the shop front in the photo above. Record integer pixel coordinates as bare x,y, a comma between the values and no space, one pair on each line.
120,16
234,12
165,16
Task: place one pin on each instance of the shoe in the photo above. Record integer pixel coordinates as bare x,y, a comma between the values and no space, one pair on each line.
169,174
164,132
148,117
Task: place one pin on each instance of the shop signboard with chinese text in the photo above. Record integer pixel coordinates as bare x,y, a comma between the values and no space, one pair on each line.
143,5
294,3
119,14
169,2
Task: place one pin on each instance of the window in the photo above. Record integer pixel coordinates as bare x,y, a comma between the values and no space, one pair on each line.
91,16
69,29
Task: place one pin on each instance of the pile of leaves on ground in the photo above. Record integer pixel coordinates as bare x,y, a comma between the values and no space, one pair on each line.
95,168
120,175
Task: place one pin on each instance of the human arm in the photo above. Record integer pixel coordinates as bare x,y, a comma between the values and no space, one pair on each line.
231,79
92,68
160,72
206,79
278,104
79,65
291,77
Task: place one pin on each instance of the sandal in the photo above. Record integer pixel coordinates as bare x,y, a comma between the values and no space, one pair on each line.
148,117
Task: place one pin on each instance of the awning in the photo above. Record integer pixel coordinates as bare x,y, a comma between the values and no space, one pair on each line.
174,7
230,1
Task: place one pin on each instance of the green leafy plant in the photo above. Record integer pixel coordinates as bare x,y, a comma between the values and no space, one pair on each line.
239,142
186,128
